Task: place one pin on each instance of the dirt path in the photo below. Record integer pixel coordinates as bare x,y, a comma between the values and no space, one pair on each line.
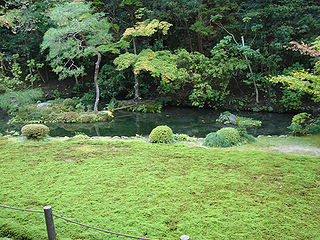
298,149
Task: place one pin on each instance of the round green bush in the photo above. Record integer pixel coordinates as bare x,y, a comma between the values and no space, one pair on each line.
231,134
216,140
161,134
35,131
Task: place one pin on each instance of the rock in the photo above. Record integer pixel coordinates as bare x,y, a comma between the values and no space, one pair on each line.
44,105
260,136
184,237
115,137
233,118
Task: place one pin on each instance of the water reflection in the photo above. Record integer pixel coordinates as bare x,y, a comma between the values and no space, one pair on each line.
194,122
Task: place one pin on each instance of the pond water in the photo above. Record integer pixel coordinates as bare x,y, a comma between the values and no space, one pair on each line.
191,121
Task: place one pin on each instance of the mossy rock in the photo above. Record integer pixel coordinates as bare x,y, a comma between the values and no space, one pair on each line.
69,102
105,115
161,134
35,131
68,117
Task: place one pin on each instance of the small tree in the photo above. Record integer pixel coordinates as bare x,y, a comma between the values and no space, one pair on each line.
78,33
303,80
146,28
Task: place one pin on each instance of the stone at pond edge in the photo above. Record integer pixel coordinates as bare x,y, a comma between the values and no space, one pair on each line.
44,105
232,118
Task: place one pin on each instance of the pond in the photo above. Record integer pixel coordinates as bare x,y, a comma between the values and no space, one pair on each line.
191,121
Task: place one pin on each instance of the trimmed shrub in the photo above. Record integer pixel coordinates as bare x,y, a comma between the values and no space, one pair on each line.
231,134
216,140
161,134
182,137
35,131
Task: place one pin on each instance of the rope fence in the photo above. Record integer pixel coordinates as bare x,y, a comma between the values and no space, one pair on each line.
47,210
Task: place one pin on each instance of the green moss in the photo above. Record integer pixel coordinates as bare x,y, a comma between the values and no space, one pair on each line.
68,102
68,117
159,191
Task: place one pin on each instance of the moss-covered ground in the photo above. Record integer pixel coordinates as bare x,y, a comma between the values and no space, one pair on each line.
158,191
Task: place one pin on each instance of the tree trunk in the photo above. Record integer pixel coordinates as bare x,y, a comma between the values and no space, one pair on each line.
200,46
136,81
96,72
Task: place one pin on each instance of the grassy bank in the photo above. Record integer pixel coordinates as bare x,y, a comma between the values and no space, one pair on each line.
158,191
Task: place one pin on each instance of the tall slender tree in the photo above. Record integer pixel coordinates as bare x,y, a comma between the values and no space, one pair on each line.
78,33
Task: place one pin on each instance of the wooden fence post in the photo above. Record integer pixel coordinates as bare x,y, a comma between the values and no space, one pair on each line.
49,223
184,237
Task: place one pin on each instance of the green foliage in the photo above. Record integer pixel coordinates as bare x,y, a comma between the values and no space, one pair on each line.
209,77
291,100
77,34
146,106
216,140
301,81
231,134
161,134
35,131
301,118
112,82
244,136
158,64
68,102
12,101
314,126
303,124
147,28
10,73
182,138
151,107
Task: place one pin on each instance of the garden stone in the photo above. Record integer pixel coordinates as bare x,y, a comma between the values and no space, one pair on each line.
44,105
232,118
184,237
270,109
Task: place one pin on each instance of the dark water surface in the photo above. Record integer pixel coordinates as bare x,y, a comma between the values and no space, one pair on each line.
194,122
